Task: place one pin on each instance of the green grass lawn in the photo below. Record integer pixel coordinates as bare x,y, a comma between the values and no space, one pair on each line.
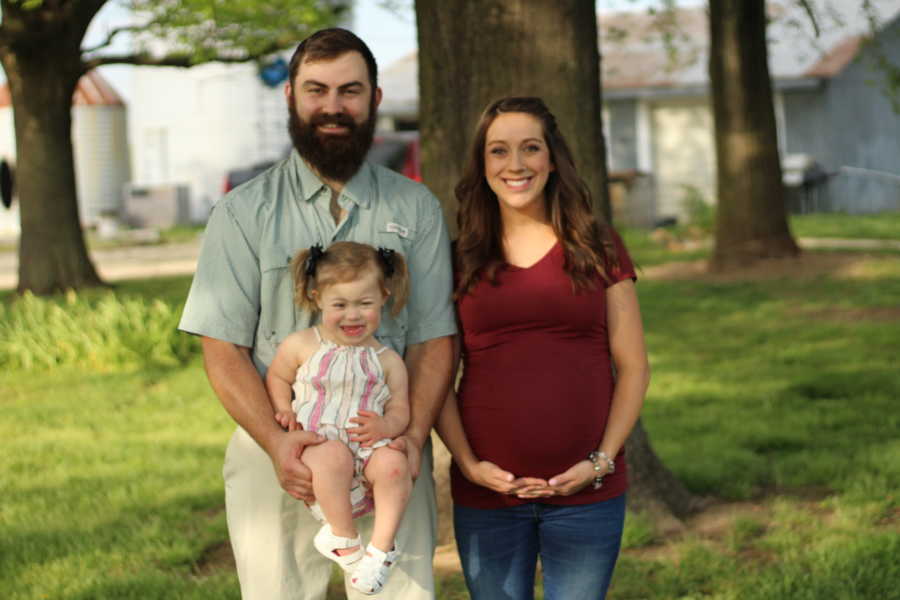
779,397
879,226
687,242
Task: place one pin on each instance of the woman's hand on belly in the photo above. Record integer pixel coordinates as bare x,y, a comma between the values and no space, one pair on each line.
574,479
489,475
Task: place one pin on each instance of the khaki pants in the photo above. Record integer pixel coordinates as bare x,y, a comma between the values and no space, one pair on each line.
271,533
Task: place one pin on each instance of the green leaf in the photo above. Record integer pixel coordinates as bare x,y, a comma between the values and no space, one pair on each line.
203,30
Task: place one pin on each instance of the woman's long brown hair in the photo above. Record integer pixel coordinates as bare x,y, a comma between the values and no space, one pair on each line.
587,243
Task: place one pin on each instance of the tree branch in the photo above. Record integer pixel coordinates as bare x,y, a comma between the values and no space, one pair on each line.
807,7
112,34
175,59
81,13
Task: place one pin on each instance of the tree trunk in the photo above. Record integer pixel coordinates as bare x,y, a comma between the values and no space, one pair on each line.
652,486
751,220
42,71
471,53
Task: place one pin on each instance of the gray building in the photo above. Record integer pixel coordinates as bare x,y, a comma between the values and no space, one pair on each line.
839,133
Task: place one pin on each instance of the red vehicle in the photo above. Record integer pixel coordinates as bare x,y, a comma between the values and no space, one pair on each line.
397,150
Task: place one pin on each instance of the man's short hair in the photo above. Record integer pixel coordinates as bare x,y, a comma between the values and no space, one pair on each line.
328,44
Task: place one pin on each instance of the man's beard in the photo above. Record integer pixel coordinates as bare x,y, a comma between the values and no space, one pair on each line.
334,157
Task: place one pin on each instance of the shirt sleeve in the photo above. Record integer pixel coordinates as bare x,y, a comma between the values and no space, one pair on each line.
430,307
623,268
223,302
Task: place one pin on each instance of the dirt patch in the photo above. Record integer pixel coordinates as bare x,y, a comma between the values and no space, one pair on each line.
809,493
808,265
891,520
708,527
446,559
716,521
214,558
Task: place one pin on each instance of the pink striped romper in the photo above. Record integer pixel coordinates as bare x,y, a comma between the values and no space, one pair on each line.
330,387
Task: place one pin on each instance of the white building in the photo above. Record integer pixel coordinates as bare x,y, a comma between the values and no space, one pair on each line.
189,126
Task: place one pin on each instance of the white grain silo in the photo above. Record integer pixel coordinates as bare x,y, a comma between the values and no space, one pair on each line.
99,136
100,142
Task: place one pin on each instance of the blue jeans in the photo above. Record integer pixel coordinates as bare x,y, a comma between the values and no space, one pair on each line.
578,547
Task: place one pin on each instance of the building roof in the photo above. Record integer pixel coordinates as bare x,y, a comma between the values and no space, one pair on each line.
834,61
92,90
635,61
634,55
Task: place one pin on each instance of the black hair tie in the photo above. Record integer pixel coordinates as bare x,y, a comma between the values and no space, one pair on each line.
387,261
316,252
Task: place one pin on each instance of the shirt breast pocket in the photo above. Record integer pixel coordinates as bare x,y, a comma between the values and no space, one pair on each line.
278,314
397,237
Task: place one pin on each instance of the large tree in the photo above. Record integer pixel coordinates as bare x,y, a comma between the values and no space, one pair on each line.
751,220
473,52
42,53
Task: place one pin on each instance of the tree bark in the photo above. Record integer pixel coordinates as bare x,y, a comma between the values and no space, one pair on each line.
40,54
471,53
40,49
751,219
652,486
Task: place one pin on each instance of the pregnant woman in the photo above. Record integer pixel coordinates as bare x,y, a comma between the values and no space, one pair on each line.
555,368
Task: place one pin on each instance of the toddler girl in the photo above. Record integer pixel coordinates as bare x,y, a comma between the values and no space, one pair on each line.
352,390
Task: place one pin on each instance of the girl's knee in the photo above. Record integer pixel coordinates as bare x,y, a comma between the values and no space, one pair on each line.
388,463
330,454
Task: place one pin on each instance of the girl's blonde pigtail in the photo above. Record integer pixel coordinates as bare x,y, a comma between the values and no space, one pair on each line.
303,284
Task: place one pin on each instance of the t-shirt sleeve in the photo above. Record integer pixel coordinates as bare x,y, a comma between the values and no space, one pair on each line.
430,307
623,268
223,302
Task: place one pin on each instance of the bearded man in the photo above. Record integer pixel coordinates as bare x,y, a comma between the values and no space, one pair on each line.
241,303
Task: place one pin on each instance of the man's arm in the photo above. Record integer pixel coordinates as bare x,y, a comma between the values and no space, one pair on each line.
429,364
240,389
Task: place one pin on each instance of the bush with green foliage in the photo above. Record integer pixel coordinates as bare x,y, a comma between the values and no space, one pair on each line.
100,332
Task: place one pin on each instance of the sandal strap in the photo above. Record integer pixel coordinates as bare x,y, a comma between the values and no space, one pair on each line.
373,570
326,542
340,542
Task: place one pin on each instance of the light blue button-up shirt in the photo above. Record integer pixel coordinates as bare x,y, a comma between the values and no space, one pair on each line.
243,291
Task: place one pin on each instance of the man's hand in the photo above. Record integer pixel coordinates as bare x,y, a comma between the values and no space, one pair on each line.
293,475
413,451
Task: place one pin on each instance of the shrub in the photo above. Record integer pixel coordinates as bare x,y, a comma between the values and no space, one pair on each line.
700,213
103,332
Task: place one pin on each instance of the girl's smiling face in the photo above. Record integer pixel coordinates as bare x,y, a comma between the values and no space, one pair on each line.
351,311
517,162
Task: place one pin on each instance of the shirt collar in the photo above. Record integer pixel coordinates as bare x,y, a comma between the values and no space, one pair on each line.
358,190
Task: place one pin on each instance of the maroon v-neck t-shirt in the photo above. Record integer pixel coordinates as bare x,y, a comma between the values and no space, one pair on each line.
537,382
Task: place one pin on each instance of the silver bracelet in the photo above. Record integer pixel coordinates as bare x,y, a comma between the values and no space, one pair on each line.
595,457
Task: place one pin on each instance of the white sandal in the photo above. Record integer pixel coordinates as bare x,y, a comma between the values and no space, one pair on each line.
326,543
372,571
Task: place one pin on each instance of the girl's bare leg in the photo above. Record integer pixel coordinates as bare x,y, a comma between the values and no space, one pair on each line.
388,473
332,471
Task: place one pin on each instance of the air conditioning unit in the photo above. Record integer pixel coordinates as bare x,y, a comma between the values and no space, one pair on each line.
156,205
